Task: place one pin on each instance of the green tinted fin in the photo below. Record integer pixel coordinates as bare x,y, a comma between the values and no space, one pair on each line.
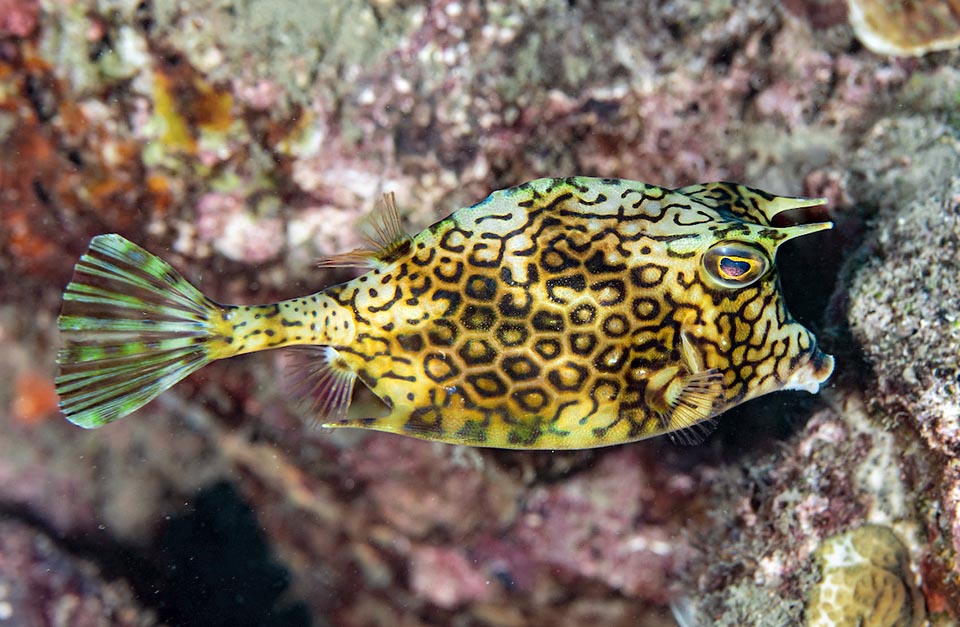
131,328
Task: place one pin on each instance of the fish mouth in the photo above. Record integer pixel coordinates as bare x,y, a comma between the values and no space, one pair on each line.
811,375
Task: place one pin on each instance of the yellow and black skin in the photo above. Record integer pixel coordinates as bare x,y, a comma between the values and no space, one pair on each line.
559,314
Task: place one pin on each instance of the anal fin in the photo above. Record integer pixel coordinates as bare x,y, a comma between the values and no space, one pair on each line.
325,381
385,238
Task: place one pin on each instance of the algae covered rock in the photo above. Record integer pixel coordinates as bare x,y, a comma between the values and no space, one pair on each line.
42,583
905,299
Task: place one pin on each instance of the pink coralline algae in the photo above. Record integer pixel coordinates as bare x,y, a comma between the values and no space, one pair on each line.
224,222
604,524
446,578
18,17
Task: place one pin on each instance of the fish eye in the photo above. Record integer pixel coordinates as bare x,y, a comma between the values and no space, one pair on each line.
735,264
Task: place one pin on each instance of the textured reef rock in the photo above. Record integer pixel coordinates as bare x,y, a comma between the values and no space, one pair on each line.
40,584
842,469
905,299
244,140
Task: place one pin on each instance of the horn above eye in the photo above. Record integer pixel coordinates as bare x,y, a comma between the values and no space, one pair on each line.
735,264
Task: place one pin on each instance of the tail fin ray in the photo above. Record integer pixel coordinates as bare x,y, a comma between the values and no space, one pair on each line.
132,327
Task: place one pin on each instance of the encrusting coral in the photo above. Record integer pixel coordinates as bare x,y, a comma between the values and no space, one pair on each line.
866,581
906,27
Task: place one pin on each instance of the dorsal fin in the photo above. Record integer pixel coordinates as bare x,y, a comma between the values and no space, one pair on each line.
385,238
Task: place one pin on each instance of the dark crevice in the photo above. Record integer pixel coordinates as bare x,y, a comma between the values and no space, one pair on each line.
210,565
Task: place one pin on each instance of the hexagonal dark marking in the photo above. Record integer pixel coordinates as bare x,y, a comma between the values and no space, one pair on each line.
548,348
439,367
584,313
545,320
509,309
480,287
569,377
475,352
520,368
478,318
611,359
512,333
553,261
582,343
576,283
454,299
605,390
597,264
410,342
425,421
647,275
645,308
611,291
443,333
487,384
615,325
531,399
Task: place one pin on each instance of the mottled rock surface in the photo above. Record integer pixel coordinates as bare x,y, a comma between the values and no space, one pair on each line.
41,584
905,299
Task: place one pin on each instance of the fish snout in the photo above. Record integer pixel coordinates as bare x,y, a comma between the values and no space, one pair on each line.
812,373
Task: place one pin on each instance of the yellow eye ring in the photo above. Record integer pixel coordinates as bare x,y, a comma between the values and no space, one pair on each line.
735,264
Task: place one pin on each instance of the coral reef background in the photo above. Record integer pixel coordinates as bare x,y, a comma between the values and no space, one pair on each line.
242,140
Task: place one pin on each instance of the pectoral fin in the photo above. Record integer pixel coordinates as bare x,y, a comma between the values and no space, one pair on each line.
682,400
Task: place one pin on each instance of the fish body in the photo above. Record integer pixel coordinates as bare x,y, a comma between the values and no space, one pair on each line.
562,313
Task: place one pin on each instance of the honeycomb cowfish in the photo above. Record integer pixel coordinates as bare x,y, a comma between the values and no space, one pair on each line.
558,314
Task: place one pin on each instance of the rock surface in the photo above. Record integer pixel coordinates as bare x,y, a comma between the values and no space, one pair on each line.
41,584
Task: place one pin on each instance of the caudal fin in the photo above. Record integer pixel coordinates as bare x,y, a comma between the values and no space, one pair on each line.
131,328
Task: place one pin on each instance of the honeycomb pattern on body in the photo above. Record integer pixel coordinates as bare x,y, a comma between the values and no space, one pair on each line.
541,316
